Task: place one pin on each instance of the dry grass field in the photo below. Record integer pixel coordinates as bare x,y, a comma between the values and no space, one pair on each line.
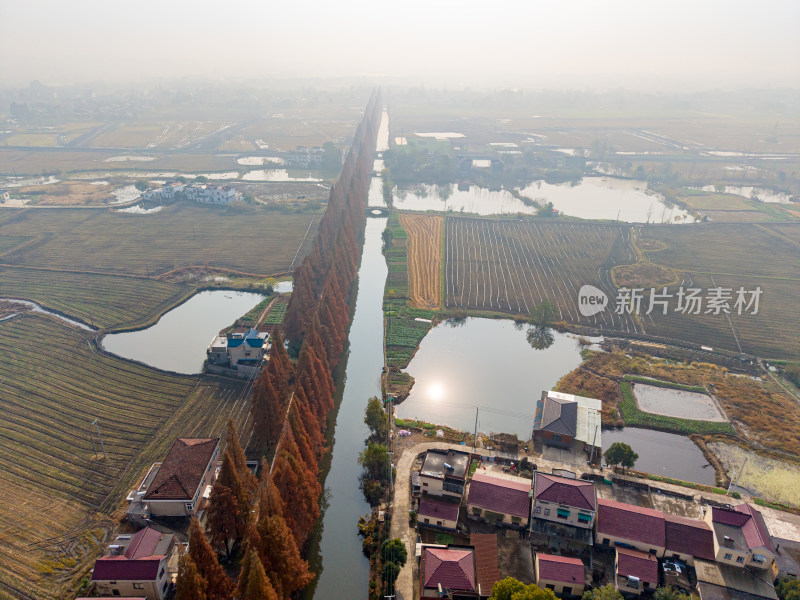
246,238
425,259
509,266
57,500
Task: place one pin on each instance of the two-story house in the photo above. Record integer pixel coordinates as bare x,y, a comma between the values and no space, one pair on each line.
188,470
633,527
741,538
500,499
444,473
136,565
566,502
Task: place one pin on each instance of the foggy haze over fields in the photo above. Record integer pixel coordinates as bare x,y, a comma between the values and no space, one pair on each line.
677,45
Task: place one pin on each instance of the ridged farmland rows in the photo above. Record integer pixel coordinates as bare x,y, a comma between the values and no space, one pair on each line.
54,385
183,234
512,265
424,258
106,301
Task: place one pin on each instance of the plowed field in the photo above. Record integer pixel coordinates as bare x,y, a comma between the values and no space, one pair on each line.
424,258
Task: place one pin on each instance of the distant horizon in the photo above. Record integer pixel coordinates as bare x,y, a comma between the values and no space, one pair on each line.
679,45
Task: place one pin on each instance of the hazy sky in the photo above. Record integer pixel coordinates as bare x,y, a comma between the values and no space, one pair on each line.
518,43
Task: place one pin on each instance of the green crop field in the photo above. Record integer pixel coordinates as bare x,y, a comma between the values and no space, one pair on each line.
56,497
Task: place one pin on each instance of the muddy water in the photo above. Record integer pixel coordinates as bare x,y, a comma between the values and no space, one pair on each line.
665,454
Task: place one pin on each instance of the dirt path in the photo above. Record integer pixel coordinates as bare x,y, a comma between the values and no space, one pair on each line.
424,258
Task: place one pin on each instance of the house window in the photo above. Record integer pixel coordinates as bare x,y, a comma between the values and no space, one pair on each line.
556,437
728,556
139,586
562,513
584,518
438,523
538,510
425,484
115,592
427,521
161,573
546,512
605,541
567,591
190,506
740,559
550,586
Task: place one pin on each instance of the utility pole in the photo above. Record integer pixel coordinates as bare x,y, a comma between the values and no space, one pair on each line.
735,477
475,437
100,437
594,445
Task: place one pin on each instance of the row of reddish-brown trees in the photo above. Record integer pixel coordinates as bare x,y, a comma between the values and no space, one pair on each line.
271,519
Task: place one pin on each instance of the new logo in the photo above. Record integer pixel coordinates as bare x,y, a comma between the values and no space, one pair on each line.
591,300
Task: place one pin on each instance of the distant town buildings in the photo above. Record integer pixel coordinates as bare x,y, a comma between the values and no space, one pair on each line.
304,158
206,193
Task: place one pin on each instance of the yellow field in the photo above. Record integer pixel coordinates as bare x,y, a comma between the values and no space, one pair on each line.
424,258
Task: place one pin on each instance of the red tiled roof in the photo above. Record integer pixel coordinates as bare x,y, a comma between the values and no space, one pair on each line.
755,530
689,536
560,568
729,517
573,492
430,506
454,569
486,561
500,495
182,470
143,544
119,568
630,522
632,563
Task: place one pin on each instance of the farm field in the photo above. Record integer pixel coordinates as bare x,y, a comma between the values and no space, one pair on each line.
104,301
57,500
734,256
405,325
425,258
247,239
510,266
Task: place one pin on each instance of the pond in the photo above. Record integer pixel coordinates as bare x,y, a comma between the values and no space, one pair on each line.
274,175
677,403
748,191
665,454
178,341
486,363
607,198
593,198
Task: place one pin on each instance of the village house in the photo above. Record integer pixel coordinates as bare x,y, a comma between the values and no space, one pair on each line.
571,503
444,473
722,582
199,192
438,512
741,538
565,576
504,500
183,479
635,572
570,422
136,565
632,527
241,351
448,572
687,539
4,196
